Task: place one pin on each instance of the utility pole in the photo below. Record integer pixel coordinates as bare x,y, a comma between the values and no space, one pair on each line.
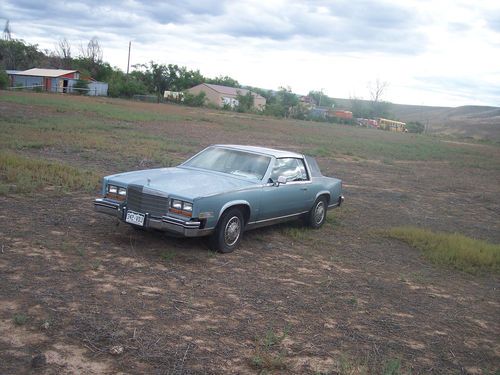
128,62
320,96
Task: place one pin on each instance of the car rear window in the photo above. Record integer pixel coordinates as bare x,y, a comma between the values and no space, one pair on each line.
313,166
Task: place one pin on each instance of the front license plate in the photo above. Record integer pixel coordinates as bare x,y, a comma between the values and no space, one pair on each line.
135,218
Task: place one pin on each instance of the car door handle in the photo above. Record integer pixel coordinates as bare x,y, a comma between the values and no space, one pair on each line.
305,189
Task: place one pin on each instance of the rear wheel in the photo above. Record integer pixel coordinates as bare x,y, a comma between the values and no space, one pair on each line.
229,231
317,216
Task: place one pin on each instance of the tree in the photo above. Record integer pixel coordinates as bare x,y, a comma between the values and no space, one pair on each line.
378,107
92,51
377,90
121,85
156,77
18,55
188,78
268,94
287,99
90,61
359,107
223,81
300,112
63,52
4,79
321,99
158,73
280,103
245,102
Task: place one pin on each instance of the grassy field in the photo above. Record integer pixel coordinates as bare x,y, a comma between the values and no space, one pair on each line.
128,134
380,289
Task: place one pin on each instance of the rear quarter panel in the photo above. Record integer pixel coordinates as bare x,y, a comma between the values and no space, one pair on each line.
327,185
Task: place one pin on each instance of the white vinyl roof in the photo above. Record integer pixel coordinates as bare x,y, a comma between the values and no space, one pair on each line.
263,150
53,73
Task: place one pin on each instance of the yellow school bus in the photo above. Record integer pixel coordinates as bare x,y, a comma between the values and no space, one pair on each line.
395,126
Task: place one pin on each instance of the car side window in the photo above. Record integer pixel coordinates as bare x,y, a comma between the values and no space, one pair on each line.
291,168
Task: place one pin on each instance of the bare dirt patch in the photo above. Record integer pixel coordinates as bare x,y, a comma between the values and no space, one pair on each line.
96,297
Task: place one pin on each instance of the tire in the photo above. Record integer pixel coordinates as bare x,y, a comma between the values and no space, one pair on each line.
229,231
317,216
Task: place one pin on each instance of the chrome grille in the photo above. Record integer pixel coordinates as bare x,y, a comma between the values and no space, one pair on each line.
137,200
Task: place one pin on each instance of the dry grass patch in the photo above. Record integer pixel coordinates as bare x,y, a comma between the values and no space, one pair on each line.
19,174
451,249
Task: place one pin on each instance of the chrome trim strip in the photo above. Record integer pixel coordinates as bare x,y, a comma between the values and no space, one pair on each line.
106,203
157,193
182,223
277,218
108,207
271,184
337,203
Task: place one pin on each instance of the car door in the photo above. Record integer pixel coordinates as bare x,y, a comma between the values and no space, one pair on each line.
289,198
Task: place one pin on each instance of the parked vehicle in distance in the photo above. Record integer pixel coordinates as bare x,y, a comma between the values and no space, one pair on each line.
222,191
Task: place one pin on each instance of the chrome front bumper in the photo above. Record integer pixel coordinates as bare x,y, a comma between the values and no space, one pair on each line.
165,223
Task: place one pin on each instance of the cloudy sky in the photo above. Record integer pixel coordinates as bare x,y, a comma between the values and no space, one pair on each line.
429,52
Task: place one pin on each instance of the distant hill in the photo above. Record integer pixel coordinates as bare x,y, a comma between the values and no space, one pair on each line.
480,122
466,121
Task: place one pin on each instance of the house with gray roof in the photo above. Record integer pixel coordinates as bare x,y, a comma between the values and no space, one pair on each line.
54,80
226,96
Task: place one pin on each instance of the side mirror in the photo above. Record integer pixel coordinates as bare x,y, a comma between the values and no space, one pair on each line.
281,180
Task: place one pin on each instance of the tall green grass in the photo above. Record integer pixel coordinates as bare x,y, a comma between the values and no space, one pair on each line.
19,174
455,250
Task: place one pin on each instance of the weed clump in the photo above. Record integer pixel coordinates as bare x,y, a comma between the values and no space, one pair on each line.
451,249
269,354
19,174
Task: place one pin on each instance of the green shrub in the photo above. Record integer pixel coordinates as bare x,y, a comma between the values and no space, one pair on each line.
81,87
20,319
195,100
415,127
122,86
4,79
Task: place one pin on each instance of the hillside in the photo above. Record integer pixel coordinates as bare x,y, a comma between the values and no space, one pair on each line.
480,122
466,121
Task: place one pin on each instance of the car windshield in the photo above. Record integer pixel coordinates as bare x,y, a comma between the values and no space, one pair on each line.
235,162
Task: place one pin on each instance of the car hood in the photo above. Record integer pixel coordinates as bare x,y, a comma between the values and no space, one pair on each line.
182,182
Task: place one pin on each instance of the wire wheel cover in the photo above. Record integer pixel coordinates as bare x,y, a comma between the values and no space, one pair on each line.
319,212
232,231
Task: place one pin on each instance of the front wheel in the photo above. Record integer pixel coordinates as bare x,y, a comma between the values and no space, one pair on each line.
317,216
229,231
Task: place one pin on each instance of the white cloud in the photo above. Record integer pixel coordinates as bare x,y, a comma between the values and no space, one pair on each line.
430,52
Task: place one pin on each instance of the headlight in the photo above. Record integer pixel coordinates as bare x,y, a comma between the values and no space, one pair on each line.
116,193
177,204
181,208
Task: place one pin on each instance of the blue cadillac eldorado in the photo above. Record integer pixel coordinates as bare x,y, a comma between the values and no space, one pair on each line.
222,191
